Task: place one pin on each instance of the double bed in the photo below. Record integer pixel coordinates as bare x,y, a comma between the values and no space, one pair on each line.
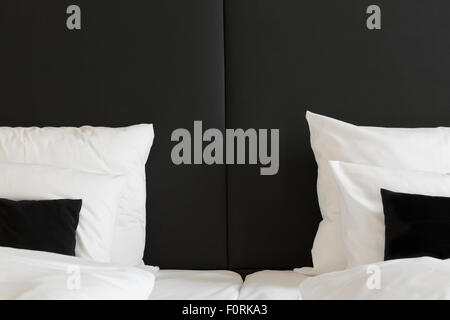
73,221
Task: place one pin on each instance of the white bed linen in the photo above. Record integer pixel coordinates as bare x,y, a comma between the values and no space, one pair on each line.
410,279
272,285
194,284
100,194
425,149
37,275
114,151
362,217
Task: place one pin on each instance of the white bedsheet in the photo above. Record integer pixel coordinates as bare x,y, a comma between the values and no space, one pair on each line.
26,274
272,285
419,278
192,285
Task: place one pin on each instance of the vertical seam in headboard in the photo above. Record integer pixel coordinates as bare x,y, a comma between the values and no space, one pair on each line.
225,127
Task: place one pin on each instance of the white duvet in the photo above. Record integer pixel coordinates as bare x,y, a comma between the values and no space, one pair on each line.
419,278
33,275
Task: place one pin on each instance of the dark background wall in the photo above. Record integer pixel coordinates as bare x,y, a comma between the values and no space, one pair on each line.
248,64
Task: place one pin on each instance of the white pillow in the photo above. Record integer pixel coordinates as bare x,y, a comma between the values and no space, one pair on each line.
362,216
121,151
416,149
100,194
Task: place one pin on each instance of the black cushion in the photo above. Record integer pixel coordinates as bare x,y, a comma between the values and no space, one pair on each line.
416,225
45,225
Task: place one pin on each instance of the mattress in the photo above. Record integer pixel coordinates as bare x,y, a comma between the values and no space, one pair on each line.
196,285
272,285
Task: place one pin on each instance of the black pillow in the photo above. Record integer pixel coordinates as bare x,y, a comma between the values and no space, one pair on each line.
416,225
44,225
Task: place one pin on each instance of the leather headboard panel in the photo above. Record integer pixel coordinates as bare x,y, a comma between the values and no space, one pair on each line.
285,57
134,61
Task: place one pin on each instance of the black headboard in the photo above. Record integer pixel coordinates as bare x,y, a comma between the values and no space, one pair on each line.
157,61
235,64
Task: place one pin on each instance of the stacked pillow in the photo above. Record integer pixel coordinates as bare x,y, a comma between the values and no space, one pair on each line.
103,167
366,193
352,231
